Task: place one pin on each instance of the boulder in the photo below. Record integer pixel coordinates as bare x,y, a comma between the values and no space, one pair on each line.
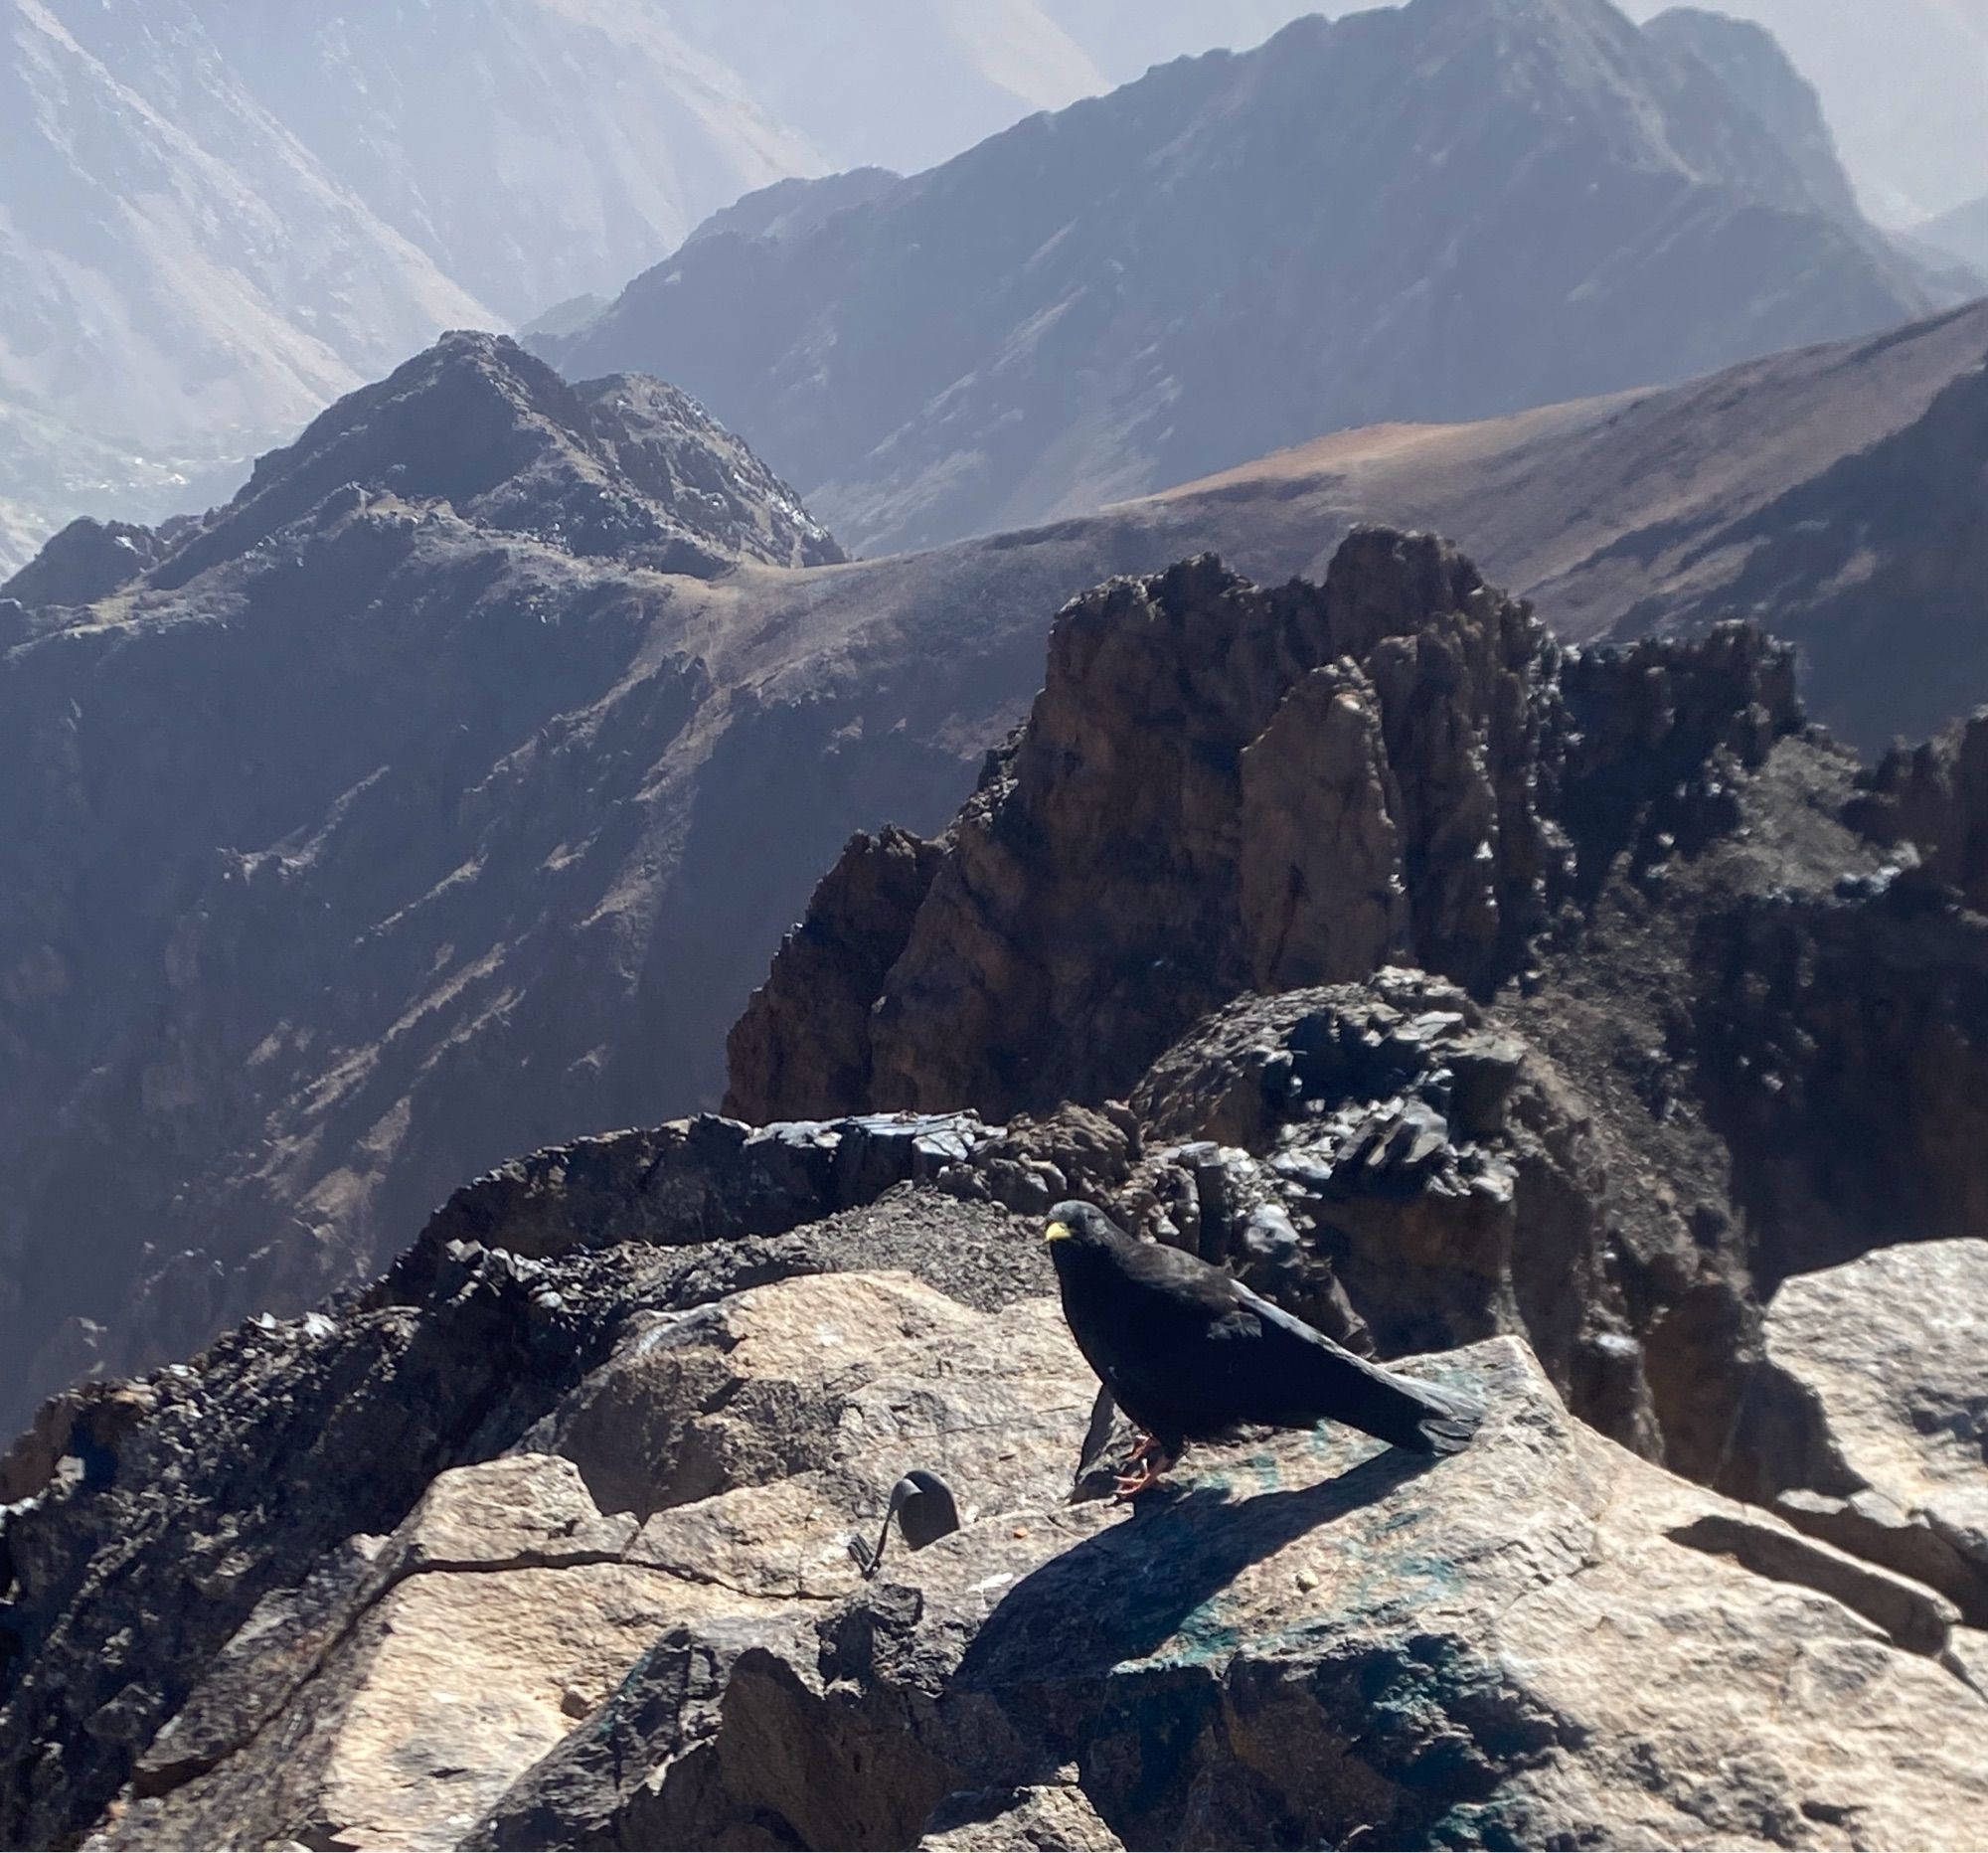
1868,1421
992,1820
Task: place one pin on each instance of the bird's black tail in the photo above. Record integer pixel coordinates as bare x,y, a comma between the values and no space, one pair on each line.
1379,1402
1447,1425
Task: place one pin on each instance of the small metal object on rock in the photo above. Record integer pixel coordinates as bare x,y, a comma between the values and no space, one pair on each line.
925,1511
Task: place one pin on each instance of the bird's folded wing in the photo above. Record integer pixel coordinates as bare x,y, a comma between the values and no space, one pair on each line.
1341,1387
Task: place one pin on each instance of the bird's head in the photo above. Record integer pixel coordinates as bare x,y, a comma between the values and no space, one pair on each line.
1080,1229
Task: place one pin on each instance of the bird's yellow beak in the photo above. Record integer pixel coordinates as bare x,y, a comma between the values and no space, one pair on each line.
1057,1232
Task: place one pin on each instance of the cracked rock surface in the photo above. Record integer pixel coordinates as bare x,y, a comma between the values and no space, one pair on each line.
144,1525
756,1433
1544,1638
1868,1422
553,1549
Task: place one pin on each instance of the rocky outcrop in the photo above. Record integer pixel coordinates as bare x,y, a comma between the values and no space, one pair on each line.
1101,891
1867,1424
807,1044
1930,802
1394,1164
87,560
1310,1641
636,1617
738,1449
1223,789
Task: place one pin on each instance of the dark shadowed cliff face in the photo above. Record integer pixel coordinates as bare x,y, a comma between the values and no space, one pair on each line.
1452,210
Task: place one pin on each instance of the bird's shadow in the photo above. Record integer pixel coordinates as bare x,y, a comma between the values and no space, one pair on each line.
1128,1591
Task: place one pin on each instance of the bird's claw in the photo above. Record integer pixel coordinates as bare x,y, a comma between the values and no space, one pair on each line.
1152,1465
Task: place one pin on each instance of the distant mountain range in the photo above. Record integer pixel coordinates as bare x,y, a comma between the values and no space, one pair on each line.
218,214
1451,211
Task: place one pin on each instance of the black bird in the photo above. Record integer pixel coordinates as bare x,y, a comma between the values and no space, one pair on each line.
1190,1354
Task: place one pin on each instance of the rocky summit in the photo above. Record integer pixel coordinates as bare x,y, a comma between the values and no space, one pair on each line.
556,1537
1578,1029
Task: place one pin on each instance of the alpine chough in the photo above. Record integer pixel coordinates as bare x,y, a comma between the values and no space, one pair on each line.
1190,1354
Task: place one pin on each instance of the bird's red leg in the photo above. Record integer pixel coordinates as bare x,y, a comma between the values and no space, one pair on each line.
1152,1462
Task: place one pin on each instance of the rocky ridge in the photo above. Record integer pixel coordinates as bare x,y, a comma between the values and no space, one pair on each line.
1695,1014
626,467
545,1535
548,1539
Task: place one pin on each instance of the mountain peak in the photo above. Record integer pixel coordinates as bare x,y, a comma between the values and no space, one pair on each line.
623,466
1752,66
